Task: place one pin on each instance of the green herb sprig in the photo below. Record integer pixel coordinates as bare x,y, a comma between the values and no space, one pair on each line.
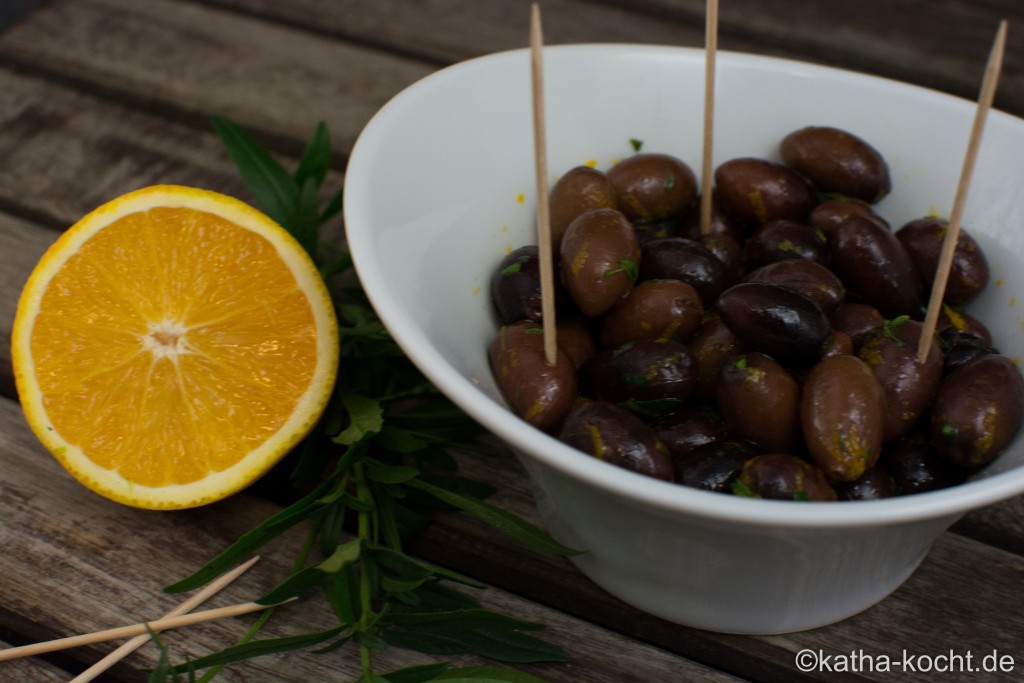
375,471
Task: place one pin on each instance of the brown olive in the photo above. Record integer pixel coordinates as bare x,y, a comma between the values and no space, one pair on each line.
875,267
780,476
813,280
618,437
784,239
540,393
677,258
760,401
729,253
599,257
875,484
683,430
578,191
787,326
978,410
756,191
653,309
842,412
643,370
962,322
653,187
915,468
959,348
712,345
515,286
837,161
891,353
713,466
827,216
575,337
839,345
856,320
968,271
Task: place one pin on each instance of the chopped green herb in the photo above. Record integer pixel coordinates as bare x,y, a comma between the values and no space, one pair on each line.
630,268
670,182
741,489
801,495
948,432
637,144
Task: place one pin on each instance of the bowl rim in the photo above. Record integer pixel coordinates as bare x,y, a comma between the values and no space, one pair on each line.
666,497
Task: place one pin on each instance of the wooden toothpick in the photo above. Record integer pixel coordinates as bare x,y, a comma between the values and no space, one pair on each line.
544,245
134,629
710,49
949,242
184,608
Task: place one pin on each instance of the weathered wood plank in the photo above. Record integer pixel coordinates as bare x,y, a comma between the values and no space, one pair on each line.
939,45
103,565
193,61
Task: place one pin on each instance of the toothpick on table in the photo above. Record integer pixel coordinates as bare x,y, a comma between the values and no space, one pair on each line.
985,97
184,608
135,629
544,245
710,49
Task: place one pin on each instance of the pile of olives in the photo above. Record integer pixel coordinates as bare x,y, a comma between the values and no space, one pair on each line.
773,354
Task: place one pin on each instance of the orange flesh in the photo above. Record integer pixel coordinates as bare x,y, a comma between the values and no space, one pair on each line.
160,323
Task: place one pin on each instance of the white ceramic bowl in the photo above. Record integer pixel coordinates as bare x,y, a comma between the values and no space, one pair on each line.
440,186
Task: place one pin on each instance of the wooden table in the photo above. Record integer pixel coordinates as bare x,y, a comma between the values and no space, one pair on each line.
98,97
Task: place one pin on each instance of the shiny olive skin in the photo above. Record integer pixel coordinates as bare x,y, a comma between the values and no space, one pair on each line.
653,309
712,345
827,215
915,468
677,258
839,345
688,428
652,187
813,280
539,393
729,253
760,402
578,191
643,370
783,239
963,322
713,466
515,286
857,320
875,484
598,260
959,348
978,410
576,339
891,353
837,161
756,191
842,412
780,476
968,272
613,434
875,267
777,321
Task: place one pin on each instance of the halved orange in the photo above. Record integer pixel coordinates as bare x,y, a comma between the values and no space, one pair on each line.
172,346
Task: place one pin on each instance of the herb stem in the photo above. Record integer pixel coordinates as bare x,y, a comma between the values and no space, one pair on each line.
366,534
